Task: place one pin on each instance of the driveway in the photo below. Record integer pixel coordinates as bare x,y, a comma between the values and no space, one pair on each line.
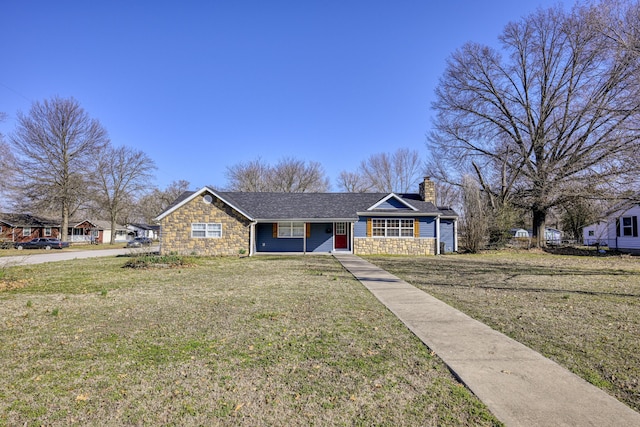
63,255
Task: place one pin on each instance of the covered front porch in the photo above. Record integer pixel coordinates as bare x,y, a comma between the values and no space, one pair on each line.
302,237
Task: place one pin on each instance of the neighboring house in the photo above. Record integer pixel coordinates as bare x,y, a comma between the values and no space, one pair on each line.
24,227
596,234
210,222
144,230
621,229
95,231
519,233
551,235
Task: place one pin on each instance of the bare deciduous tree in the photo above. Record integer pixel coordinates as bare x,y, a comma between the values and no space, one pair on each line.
155,201
249,176
7,165
559,112
385,172
287,176
57,145
577,214
121,174
474,223
352,182
295,176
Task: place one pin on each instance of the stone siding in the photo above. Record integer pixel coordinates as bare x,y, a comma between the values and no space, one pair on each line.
175,230
394,246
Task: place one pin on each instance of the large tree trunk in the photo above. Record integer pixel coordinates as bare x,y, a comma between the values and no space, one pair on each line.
113,230
64,227
539,220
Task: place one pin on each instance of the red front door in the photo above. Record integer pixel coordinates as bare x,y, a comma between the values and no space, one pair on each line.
340,235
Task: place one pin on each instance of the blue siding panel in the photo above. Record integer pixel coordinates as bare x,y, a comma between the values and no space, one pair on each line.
265,242
446,234
428,226
320,240
392,203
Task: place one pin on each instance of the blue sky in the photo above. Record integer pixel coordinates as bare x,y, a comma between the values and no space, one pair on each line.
203,85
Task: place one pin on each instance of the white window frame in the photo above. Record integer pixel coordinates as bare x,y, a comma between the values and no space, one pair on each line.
392,227
626,227
26,231
47,232
206,230
291,230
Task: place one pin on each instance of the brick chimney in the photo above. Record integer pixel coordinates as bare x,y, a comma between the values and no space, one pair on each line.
428,190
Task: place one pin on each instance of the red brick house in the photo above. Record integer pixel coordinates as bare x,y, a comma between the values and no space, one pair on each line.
24,227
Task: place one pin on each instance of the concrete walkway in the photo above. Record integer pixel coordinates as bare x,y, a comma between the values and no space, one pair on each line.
518,385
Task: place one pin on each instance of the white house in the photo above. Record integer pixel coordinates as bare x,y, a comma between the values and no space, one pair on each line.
623,229
596,234
144,230
619,231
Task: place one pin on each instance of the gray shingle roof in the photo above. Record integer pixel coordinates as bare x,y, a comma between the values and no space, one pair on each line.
27,220
310,206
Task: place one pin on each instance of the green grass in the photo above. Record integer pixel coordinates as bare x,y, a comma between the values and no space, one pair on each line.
224,341
582,312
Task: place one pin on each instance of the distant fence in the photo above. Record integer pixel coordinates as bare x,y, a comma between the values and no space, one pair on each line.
79,239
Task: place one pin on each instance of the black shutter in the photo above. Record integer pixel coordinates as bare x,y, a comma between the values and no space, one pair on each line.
634,221
618,227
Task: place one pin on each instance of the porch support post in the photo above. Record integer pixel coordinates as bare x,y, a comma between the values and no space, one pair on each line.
438,235
455,235
304,240
252,239
352,239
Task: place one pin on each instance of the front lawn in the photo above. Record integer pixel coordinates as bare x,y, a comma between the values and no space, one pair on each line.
225,341
581,311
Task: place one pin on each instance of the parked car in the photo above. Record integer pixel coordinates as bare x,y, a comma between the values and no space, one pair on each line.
42,243
139,241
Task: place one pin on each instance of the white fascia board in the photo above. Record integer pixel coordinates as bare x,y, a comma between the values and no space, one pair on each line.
394,196
86,220
197,194
307,220
388,214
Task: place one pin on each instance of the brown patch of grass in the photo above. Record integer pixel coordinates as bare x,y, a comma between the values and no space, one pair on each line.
583,312
10,285
253,341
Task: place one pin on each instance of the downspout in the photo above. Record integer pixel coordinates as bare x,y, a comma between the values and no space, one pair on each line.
438,235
